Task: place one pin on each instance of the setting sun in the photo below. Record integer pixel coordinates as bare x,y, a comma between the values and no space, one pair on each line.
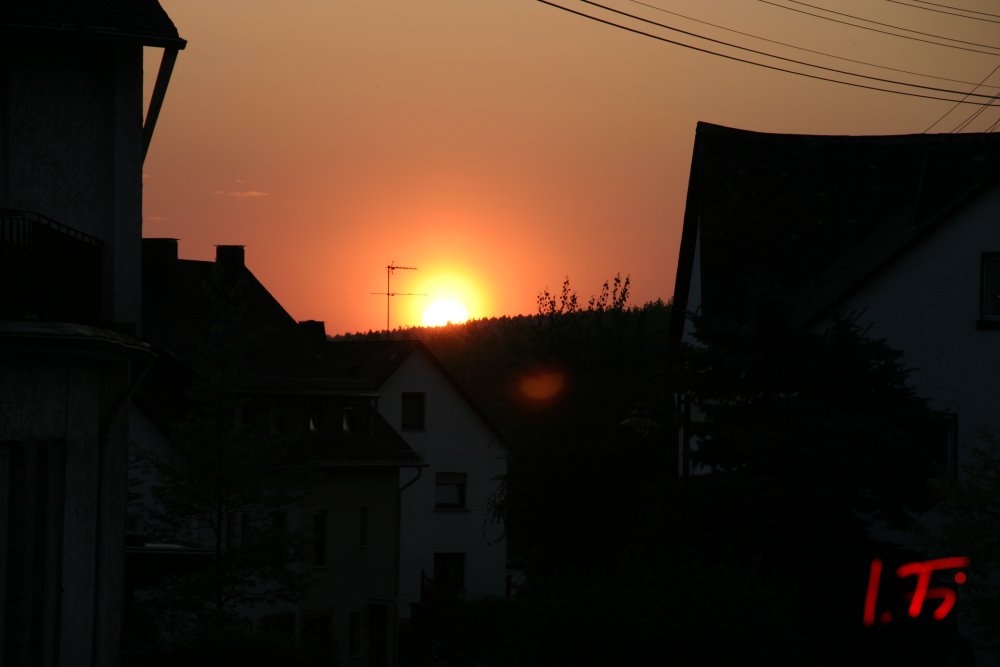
445,311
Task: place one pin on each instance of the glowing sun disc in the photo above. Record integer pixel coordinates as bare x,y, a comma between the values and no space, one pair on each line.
445,311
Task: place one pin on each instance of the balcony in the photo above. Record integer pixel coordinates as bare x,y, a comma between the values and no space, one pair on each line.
48,271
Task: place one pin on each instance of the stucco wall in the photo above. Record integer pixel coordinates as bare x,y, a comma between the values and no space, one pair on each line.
455,440
927,305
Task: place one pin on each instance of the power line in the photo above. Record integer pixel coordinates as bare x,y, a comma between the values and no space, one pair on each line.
884,32
751,62
960,9
802,48
776,57
956,105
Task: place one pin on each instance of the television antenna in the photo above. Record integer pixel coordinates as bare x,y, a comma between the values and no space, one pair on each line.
388,293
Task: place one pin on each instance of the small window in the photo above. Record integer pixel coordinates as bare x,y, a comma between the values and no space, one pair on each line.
413,411
354,634
989,307
363,537
347,420
449,573
319,539
449,490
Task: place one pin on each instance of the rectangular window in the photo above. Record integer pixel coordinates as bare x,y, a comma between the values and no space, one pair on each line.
348,420
449,491
319,538
354,634
989,307
364,527
449,574
413,411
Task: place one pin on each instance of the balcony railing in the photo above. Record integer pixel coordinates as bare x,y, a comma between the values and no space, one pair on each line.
48,271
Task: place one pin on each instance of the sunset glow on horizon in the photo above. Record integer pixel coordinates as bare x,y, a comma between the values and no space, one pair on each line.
499,147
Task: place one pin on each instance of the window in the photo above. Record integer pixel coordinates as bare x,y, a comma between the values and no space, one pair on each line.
354,634
348,420
364,527
449,574
449,491
989,307
319,538
413,411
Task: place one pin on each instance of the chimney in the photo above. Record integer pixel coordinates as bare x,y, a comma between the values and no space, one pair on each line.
314,330
159,256
229,257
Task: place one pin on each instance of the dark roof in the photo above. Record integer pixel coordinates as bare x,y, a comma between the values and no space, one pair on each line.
144,21
373,361
811,217
179,313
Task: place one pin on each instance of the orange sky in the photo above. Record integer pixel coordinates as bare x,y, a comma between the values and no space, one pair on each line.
499,146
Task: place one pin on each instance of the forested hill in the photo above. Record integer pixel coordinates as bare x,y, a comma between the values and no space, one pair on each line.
586,365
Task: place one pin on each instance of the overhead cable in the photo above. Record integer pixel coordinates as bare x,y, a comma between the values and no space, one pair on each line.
884,32
782,58
802,48
758,64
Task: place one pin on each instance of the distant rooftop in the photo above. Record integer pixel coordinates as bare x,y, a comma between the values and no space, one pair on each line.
144,21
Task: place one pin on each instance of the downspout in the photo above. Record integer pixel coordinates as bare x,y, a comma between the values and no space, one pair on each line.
399,540
159,92
399,522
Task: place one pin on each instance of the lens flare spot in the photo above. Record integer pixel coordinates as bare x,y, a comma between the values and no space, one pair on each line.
542,385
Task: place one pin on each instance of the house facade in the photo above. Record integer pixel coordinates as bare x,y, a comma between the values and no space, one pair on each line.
450,545
325,422
898,232
72,143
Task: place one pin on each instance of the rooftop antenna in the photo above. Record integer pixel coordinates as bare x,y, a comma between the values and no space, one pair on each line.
389,293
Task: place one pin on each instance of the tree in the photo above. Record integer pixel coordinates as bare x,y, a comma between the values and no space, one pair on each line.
225,484
805,441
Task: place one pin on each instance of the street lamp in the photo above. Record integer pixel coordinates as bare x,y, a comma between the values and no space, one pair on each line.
642,421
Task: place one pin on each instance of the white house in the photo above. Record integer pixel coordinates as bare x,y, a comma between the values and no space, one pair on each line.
900,231
449,544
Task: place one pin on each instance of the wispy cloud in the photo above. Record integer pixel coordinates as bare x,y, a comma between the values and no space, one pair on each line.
242,194
156,218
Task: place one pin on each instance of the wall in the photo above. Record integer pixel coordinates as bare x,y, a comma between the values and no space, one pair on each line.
927,305
72,148
455,440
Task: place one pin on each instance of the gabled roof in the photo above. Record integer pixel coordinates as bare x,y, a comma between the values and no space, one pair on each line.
374,361
179,313
812,217
134,20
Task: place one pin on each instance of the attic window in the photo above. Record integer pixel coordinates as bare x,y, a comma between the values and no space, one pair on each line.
412,418
989,307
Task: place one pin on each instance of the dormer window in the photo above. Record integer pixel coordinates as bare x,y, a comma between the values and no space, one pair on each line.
989,306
